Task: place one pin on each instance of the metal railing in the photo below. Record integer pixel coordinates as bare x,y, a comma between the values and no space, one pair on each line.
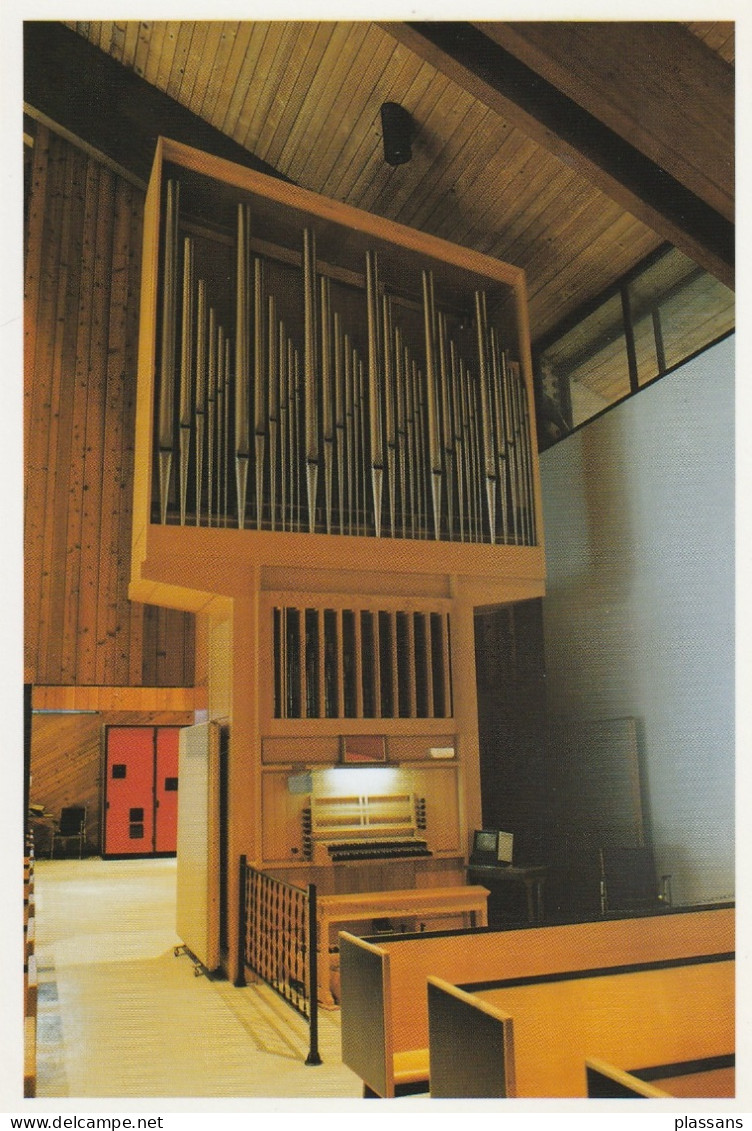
278,942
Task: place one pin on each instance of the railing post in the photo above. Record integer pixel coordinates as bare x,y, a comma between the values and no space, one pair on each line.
313,982
242,925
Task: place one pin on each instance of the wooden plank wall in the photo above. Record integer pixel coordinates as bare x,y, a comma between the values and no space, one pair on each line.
82,279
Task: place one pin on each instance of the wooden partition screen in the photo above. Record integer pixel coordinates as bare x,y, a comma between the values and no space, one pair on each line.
198,880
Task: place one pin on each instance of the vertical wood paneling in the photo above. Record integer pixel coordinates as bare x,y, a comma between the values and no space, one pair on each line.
114,378
64,372
78,433
82,277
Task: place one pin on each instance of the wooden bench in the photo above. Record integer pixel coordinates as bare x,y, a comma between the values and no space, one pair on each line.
713,1077
397,1021
367,1031
471,1051
661,1013
468,900
30,983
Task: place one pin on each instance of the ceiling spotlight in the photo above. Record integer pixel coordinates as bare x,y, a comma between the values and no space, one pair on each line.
397,126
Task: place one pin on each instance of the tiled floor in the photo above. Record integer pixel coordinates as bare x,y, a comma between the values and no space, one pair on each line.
120,1015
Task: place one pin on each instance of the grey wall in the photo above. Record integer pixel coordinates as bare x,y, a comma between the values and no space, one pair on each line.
639,611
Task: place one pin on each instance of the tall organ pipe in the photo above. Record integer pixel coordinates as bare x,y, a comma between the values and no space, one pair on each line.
429,318
259,377
186,374
327,396
242,366
486,421
374,387
201,381
310,370
165,437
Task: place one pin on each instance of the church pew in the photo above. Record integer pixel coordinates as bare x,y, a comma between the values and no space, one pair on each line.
30,982
367,1033
398,1019
470,1043
713,1077
650,1013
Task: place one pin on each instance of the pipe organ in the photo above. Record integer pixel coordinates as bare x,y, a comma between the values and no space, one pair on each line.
334,467
297,393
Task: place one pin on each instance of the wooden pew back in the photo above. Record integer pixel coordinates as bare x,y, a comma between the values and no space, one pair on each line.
477,956
604,1081
367,1022
470,1045
647,1014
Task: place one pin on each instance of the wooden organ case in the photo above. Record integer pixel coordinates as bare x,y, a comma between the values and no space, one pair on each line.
335,465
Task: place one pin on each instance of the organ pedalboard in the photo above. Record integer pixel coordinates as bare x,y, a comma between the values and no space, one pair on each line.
358,828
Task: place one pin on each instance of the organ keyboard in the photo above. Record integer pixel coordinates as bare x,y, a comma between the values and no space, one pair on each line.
409,849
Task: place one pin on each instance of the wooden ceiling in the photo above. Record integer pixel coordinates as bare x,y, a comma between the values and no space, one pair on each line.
571,150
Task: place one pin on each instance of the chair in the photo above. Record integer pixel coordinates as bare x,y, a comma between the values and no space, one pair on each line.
627,879
71,826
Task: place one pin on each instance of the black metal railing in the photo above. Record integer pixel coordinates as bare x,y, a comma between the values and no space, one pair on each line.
278,938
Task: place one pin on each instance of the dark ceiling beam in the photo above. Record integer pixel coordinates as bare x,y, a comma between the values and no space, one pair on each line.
656,85
576,137
111,111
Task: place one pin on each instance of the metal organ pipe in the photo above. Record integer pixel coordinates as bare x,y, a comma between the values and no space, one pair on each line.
406,404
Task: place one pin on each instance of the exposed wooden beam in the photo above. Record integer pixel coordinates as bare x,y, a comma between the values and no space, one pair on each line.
579,139
91,98
653,83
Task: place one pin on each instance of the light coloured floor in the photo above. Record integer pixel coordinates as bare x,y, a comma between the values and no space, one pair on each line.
121,1016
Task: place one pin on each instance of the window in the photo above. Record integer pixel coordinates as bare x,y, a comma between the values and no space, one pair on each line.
664,312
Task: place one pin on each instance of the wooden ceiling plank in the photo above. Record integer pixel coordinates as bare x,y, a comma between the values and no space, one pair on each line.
235,73
457,212
449,162
351,84
218,71
196,52
251,85
435,104
203,63
500,172
619,171
130,43
143,47
399,71
360,97
180,59
117,40
314,40
167,54
158,30
324,107
551,184
316,103
571,289
281,84
567,230
587,260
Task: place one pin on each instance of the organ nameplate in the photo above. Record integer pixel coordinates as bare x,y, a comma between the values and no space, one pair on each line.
441,751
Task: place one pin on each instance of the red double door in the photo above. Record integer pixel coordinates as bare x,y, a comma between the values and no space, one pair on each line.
141,791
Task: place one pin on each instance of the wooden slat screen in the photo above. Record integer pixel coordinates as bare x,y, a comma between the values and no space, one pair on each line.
360,663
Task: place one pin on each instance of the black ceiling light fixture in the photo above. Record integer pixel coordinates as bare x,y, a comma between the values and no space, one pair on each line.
397,127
